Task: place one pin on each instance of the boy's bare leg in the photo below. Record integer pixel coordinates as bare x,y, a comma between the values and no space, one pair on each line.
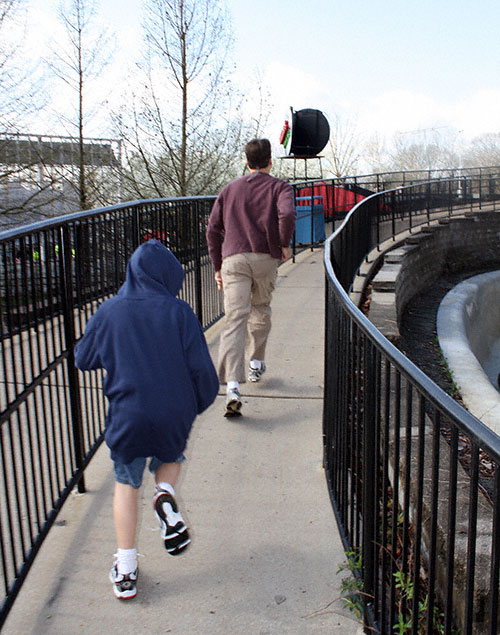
168,473
125,511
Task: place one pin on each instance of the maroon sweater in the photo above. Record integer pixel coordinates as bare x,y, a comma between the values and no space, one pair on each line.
255,213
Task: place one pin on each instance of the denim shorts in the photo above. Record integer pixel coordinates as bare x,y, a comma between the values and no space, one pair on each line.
132,473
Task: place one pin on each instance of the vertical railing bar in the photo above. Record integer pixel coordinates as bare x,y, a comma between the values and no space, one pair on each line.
6,484
37,321
471,538
48,347
385,496
378,480
66,275
435,463
495,556
420,468
395,497
407,484
52,440
55,344
21,354
17,487
369,477
354,350
3,546
360,343
452,509
30,500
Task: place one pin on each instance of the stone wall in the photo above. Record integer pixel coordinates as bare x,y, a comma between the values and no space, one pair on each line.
414,262
457,244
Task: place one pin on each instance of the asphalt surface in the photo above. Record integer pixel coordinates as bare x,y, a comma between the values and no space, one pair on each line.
265,549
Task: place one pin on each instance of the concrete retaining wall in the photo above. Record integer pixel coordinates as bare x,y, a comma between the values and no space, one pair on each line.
468,326
413,263
458,244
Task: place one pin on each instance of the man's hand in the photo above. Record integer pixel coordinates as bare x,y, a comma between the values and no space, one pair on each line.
286,253
218,279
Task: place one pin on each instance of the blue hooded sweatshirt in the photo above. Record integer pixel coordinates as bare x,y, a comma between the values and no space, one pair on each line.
159,374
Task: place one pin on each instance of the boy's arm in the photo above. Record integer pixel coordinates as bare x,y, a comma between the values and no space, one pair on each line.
203,374
86,351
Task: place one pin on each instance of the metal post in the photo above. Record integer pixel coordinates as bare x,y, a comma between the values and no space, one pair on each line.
66,268
197,266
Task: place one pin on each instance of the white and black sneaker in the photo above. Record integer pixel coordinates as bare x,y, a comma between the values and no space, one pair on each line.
173,529
233,403
124,584
255,374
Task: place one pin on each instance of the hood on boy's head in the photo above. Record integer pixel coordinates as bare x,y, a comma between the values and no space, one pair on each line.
152,268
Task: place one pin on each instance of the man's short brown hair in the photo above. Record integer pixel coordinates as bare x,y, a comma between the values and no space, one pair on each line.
258,153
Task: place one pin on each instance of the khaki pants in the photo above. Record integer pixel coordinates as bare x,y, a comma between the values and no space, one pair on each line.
248,281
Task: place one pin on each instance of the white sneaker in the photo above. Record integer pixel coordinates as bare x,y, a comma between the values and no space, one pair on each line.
233,403
254,374
174,532
124,584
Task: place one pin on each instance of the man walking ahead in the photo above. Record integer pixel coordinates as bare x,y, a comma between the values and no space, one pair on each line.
249,232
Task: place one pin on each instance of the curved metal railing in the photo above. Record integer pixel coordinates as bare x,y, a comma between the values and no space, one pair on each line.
337,196
414,479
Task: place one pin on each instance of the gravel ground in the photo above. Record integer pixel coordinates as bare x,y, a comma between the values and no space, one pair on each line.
418,327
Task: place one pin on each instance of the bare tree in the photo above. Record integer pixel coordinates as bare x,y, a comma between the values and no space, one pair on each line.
375,154
21,95
19,81
185,131
8,10
426,149
77,62
423,155
343,148
483,150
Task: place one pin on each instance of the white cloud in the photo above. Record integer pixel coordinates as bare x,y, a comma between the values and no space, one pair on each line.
399,111
292,86
478,113
413,112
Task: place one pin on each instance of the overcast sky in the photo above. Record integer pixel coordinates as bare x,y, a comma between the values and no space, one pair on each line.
388,66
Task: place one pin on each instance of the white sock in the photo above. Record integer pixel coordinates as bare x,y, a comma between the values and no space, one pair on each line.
233,385
166,486
256,364
127,560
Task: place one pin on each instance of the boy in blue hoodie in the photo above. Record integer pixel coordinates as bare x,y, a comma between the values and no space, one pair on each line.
159,376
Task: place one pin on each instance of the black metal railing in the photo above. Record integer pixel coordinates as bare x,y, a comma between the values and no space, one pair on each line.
414,479
337,196
52,276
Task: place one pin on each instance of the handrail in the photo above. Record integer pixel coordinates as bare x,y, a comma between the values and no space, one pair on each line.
98,211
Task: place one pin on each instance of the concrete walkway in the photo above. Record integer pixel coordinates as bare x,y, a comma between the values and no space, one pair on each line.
265,545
